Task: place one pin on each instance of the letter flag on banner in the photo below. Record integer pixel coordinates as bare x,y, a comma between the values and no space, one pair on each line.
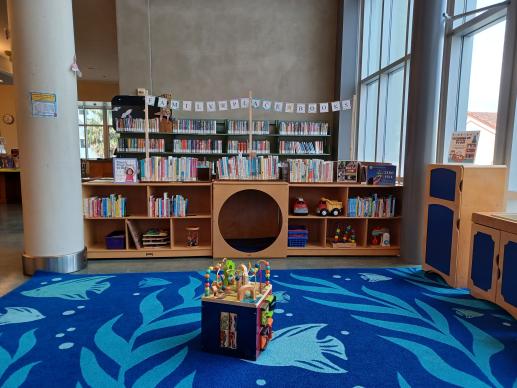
175,104
149,100
187,106
245,102
300,108
324,107
346,105
234,104
266,105
312,108
279,106
162,102
255,103
199,106
336,105
289,107
210,106
223,105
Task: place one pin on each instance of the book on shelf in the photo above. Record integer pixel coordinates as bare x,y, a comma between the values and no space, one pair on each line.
190,126
205,146
301,147
134,234
138,145
240,127
130,124
168,169
243,168
241,146
105,207
168,206
303,127
347,171
311,171
372,206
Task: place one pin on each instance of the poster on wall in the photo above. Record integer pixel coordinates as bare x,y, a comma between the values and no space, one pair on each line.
43,104
125,170
463,147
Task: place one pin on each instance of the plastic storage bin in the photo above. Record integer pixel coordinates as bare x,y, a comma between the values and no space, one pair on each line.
297,236
116,240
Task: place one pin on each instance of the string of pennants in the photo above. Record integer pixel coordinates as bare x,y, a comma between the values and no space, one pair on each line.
244,103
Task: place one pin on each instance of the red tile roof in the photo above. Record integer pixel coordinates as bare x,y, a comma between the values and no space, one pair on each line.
487,118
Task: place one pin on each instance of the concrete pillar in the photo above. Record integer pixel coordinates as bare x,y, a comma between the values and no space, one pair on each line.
422,119
43,52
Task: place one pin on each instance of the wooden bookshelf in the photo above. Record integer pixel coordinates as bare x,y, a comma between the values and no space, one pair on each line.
206,210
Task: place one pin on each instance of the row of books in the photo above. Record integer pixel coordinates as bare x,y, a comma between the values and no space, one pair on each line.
243,168
240,127
373,206
194,126
168,206
258,146
301,147
108,207
138,145
310,170
198,146
303,128
130,124
168,169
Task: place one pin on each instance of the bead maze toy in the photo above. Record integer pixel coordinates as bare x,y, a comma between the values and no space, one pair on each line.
237,309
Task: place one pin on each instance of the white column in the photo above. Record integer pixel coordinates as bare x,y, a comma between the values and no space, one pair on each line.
43,52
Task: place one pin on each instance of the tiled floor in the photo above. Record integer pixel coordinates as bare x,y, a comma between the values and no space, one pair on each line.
11,247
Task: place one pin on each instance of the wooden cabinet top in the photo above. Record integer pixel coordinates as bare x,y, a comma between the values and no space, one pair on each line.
506,222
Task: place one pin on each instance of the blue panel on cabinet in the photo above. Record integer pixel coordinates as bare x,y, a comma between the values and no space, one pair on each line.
443,184
482,261
509,274
440,220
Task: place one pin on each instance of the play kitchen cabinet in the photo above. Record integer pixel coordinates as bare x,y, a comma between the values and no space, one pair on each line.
453,193
493,259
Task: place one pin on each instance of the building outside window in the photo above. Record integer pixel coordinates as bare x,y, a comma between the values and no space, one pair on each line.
383,85
97,137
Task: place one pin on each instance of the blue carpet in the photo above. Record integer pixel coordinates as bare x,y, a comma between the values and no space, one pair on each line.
333,328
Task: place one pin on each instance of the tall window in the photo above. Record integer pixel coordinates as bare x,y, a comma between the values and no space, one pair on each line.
473,58
98,138
385,47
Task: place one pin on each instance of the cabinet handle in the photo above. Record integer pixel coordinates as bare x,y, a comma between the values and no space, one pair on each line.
458,223
461,185
498,273
497,260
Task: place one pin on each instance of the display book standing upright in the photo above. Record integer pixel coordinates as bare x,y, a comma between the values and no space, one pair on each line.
453,193
212,139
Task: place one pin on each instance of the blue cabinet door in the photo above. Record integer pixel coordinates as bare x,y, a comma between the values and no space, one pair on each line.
507,287
483,266
440,239
444,182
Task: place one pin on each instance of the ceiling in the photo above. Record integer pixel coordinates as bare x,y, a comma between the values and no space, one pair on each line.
95,32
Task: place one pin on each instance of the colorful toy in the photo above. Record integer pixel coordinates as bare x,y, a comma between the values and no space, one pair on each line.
300,208
328,206
377,235
344,237
237,309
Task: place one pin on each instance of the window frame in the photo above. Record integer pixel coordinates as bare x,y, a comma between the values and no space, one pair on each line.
382,76
452,95
82,106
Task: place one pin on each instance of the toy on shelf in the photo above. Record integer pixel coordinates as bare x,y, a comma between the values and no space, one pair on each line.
328,206
237,309
300,208
344,237
380,236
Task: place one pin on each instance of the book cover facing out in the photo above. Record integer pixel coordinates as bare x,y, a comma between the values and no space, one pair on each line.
347,171
381,175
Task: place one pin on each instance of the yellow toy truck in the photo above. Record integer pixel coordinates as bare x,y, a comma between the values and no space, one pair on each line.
327,206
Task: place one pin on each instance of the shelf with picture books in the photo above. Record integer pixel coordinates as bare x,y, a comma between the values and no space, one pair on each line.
150,219
212,138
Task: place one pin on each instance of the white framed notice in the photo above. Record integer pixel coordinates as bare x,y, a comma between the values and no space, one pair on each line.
463,147
312,108
279,106
300,108
336,105
289,107
324,107
223,105
187,106
245,102
199,106
234,103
